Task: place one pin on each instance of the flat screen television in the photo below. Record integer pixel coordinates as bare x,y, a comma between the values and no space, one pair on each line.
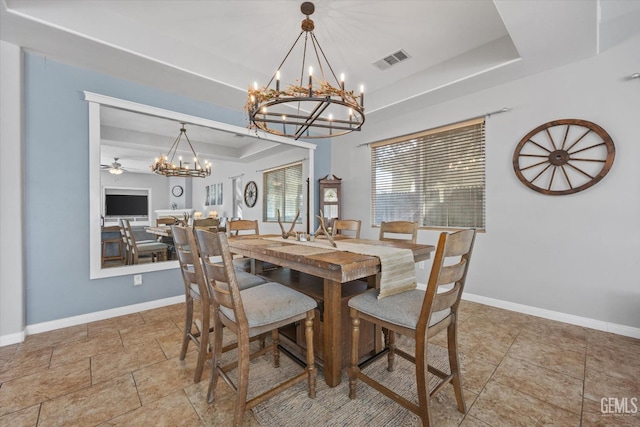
126,205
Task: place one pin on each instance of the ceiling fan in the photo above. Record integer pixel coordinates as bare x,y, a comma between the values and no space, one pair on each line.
114,168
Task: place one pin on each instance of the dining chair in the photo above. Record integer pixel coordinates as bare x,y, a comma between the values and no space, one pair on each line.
206,223
393,231
105,256
237,227
125,243
243,227
250,313
137,249
165,220
418,314
351,226
195,289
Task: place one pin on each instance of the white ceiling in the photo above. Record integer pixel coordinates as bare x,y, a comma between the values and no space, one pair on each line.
213,50
136,139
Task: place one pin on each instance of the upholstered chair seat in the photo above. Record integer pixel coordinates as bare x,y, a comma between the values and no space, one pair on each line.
270,305
386,309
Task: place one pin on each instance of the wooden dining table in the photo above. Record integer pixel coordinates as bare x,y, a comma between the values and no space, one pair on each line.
165,231
335,267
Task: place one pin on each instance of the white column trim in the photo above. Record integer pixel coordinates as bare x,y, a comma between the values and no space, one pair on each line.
12,210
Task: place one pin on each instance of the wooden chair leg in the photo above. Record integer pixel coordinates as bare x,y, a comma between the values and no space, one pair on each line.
275,338
391,344
311,367
215,359
243,381
188,319
422,382
203,351
355,339
454,364
104,252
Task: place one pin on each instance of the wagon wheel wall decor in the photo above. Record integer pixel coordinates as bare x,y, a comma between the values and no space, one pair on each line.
563,156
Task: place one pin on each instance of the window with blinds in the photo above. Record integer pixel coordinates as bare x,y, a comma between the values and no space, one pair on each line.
282,190
435,177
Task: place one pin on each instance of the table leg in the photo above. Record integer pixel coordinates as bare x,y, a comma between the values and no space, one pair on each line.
332,332
256,266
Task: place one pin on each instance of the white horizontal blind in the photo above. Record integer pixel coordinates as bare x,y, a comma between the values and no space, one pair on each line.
283,190
435,178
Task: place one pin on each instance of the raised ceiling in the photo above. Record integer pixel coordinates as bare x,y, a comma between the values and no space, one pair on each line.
213,50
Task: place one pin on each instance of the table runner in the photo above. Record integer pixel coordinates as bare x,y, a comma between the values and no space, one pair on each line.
397,267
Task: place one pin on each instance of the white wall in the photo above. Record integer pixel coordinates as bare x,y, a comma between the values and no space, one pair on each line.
574,254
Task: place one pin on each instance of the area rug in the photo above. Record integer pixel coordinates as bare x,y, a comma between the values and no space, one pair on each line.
332,406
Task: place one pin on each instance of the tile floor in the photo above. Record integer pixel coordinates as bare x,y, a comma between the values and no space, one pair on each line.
517,370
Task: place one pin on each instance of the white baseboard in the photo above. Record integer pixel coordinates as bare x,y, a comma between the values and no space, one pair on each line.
600,325
11,338
86,318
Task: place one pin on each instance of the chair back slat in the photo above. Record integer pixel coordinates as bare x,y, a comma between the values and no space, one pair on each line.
242,226
396,230
444,300
189,260
452,273
166,220
220,276
459,245
351,225
206,223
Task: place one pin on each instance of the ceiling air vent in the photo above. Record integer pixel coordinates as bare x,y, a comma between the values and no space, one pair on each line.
393,59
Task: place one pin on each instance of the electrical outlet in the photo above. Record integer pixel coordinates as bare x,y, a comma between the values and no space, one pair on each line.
137,280
421,265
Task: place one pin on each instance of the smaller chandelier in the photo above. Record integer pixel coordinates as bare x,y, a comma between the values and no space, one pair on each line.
316,110
165,165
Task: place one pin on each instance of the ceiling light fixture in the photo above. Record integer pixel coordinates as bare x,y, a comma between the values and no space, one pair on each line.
116,168
316,110
166,166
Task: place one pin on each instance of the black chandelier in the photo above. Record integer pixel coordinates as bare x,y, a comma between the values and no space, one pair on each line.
316,110
165,165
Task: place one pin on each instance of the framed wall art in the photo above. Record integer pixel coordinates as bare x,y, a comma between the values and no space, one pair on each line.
213,195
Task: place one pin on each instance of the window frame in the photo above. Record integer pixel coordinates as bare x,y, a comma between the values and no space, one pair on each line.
286,216
466,140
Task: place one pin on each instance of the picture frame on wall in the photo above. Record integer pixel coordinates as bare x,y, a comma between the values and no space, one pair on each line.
213,195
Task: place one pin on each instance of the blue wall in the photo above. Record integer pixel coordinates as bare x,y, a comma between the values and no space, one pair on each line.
57,190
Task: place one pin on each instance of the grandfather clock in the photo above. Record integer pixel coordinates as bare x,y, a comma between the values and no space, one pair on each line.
330,198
